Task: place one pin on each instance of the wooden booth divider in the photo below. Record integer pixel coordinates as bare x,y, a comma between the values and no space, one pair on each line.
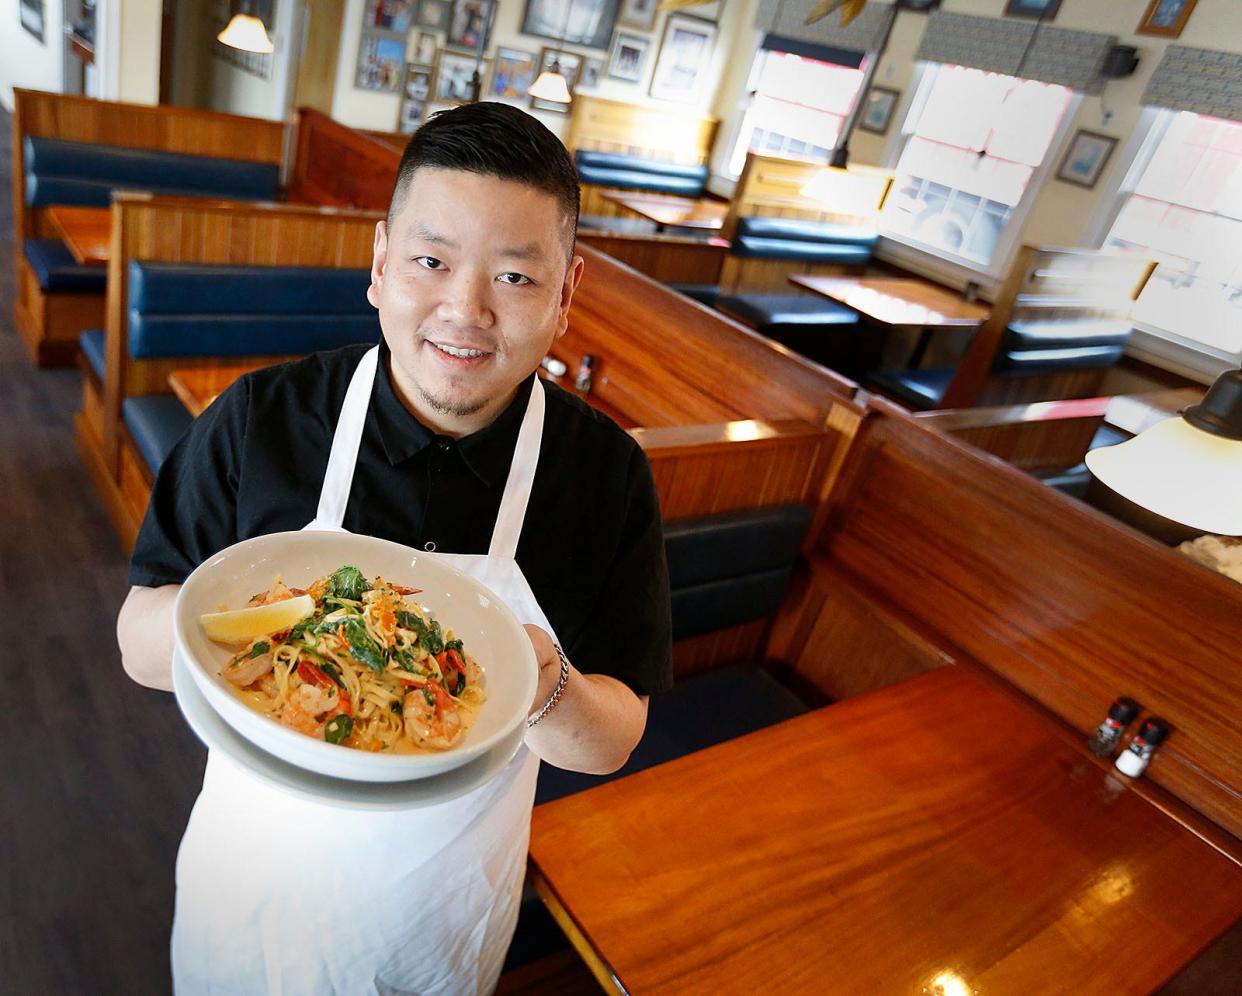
335,165
190,230
50,323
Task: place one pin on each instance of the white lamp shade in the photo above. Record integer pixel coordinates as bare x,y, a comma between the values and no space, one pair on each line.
247,33
551,86
1180,472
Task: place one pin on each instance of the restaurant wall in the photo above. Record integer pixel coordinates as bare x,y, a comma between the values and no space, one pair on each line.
236,91
24,60
378,111
138,80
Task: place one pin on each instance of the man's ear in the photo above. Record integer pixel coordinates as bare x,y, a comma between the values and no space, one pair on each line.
573,276
379,259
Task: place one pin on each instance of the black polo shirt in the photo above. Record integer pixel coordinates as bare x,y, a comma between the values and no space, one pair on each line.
591,547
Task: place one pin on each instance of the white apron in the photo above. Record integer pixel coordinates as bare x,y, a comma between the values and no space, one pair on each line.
276,894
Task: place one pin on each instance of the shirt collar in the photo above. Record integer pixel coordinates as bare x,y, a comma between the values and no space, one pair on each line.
488,453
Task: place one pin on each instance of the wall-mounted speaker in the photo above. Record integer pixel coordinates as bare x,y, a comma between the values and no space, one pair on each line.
1121,61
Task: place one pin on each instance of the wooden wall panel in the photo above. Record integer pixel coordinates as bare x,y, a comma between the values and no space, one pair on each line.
668,259
1068,605
640,130
337,166
724,648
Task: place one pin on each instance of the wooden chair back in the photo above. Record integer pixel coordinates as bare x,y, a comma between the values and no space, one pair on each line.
1047,283
978,562
338,166
772,188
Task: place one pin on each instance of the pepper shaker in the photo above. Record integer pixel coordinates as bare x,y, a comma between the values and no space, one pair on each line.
1120,715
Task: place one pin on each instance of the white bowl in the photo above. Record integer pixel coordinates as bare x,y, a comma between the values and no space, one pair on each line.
489,630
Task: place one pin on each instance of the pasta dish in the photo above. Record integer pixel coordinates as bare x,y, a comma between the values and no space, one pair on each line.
360,667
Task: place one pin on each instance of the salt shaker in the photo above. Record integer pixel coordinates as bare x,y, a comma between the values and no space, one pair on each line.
1133,760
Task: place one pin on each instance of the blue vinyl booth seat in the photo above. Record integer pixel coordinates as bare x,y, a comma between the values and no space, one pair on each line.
179,310
724,570
86,173
608,169
58,272
1026,349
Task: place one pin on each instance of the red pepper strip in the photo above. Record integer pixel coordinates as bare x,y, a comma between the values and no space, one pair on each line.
437,690
452,665
401,589
312,674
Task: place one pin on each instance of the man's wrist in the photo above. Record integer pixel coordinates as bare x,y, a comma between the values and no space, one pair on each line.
557,691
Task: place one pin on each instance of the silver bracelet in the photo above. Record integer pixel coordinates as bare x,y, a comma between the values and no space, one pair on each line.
555,697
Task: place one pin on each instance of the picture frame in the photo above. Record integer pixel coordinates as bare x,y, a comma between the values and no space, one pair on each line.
1086,157
640,14
878,107
1044,10
513,71
1166,18
389,15
418,81
453,74
592,70
470,25
571,66
410,117
381,63
589,23
33,18
434,15
684,57
628,59
425,46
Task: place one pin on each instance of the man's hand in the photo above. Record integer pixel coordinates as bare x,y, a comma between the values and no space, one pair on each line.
144,630
595,725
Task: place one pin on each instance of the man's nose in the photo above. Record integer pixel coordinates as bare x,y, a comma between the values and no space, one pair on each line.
467,302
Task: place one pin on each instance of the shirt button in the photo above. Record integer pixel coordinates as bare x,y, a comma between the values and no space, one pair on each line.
443,445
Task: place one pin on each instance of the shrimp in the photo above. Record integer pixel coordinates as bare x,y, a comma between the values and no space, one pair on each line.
242,670
431,716
308,707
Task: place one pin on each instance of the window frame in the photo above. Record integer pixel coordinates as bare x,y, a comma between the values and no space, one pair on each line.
897,247
1150,343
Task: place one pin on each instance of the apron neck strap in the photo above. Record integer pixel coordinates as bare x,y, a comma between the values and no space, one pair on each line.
521,478
339,477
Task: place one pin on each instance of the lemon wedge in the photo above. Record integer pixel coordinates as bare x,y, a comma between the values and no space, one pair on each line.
243,625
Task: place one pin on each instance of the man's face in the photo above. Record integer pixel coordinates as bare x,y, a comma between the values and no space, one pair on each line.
472,288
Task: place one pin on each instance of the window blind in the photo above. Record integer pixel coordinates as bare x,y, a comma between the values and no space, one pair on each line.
1198,79
811,50
864,34
1017,48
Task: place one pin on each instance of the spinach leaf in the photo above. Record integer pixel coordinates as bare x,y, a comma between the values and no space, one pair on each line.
454,645
362,646
300,629
404,659
332,672
337,729
429,634
348,582
258,650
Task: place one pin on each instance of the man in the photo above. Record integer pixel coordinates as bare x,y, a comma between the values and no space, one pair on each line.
473,275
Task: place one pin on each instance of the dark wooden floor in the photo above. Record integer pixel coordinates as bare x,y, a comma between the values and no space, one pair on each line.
98,773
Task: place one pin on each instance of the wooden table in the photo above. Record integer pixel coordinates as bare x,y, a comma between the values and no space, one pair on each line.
87,231
899,302
198,387
936,836
673,212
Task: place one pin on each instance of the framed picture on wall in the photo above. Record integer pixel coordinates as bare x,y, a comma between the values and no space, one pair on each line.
629,57
434,15
1086,158
453,76
1166,18
685,55
877,113
592,69
589,22
389,15
1045,9
425,48
381,60
468,28
571,66
415,93
513,74
32,17
640,14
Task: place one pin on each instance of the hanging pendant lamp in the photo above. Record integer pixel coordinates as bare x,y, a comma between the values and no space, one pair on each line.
246,32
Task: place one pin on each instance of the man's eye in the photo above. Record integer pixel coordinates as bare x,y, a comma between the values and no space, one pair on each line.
430,262
514,278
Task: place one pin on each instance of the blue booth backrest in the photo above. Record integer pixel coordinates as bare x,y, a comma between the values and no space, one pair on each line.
179,310
86,173
609,169
1043,346
801,240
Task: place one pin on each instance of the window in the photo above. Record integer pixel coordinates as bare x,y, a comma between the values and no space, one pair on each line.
797,109
1182,205
971,145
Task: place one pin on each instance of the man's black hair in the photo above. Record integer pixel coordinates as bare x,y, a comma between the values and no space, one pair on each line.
492,139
